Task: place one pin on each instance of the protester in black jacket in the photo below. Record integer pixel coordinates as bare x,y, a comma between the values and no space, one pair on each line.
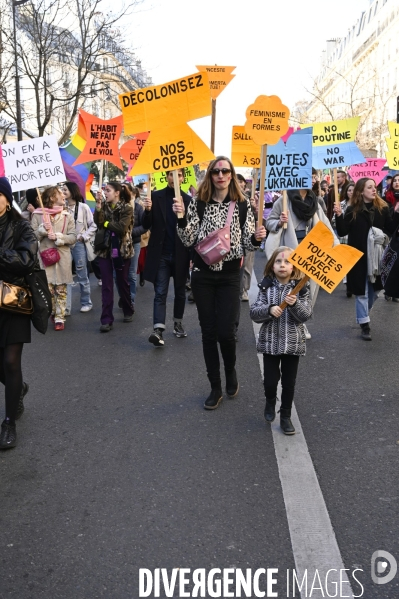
18,254
166,257
137,231
367,210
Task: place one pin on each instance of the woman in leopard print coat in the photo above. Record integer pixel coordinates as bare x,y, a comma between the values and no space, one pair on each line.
216,287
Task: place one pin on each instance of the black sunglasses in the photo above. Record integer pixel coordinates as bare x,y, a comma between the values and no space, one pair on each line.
224,171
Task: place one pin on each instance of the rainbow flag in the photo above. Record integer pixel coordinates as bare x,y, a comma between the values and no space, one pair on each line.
79,174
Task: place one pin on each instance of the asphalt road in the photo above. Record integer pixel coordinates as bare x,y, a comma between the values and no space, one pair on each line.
118,467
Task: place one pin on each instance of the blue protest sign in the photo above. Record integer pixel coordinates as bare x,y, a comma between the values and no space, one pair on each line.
337,155
289,165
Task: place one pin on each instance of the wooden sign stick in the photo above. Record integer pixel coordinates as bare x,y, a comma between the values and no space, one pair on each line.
263,160
213,125
336,195
176,185
100,177
46,217
296,290
285,206
254,182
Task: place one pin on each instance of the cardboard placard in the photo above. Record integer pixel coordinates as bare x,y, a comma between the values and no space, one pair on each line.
179,101
334,132
372,168
289,165
130,151
102,139
33,162
244,151
159,181
326,265
267,120
393,145
170,149
334,145
219,78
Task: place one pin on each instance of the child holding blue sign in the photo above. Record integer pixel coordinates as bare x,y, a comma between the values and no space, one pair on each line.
282,335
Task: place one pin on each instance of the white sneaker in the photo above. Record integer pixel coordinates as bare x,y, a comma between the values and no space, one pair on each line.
244,297
100,282
67,312
86,308
307,334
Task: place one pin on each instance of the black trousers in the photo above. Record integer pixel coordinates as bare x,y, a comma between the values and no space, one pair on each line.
271,376
217,299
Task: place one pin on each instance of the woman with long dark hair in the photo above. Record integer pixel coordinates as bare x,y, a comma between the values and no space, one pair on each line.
18,255
216,287
367,211
114,214
81,251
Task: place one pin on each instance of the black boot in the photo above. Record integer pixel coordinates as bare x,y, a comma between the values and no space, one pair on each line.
270,409
366,334
8,435
214,399
21,407
142,281
232,385
285,422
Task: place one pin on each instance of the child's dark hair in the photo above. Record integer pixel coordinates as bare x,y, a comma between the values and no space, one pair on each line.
75,192
296,273
125,194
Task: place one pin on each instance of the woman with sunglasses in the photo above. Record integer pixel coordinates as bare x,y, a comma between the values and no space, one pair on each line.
216,287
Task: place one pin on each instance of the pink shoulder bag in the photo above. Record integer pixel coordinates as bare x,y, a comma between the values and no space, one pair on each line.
216,245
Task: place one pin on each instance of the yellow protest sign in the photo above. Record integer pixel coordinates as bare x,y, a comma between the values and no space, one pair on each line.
166,105
244,151
158,180
267,120
393,145
219,78
333,132
171,148
324,264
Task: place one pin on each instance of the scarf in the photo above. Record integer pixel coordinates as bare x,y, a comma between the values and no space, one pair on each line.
303,209
50,211
376,243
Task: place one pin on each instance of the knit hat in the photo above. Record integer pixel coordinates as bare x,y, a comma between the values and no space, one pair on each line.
5,189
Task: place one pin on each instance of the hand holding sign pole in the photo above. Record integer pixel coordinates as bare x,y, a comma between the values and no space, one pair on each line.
267,121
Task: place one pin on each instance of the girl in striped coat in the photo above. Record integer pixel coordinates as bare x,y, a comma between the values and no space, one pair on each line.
282,335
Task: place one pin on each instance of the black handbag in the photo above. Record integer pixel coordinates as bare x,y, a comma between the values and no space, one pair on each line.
41,297
390,266
102,240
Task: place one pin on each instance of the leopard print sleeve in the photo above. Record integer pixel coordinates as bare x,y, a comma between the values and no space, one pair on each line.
248,230
188,228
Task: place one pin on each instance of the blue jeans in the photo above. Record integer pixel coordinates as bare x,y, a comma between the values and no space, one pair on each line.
364,303
80,258
133,271
165,271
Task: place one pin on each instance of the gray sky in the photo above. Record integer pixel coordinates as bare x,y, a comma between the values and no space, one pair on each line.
275,45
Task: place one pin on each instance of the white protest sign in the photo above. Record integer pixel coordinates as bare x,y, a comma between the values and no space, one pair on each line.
33,163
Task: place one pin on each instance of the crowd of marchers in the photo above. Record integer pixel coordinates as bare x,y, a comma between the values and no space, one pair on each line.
205,242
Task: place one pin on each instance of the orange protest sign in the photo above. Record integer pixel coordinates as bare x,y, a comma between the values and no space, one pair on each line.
171,148
324,264
166,105
219,78
102,139
130,150
244,151
267,120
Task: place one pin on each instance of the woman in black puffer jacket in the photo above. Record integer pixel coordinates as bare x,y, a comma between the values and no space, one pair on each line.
18,254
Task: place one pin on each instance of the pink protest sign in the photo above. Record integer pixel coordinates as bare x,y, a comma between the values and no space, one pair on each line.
372,168
2,171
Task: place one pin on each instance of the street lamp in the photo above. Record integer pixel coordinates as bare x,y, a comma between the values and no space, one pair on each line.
16,3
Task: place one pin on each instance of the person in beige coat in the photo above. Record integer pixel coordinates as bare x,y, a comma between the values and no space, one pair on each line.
55,229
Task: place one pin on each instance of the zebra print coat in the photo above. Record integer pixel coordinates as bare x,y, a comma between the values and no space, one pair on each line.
284,335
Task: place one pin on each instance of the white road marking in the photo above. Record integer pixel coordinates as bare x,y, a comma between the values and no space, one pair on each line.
312,535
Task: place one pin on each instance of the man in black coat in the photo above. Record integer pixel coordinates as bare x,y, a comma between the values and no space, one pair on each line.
166,257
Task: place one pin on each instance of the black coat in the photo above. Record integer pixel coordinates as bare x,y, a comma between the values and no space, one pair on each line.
138,229
357,230
155,219
18,252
